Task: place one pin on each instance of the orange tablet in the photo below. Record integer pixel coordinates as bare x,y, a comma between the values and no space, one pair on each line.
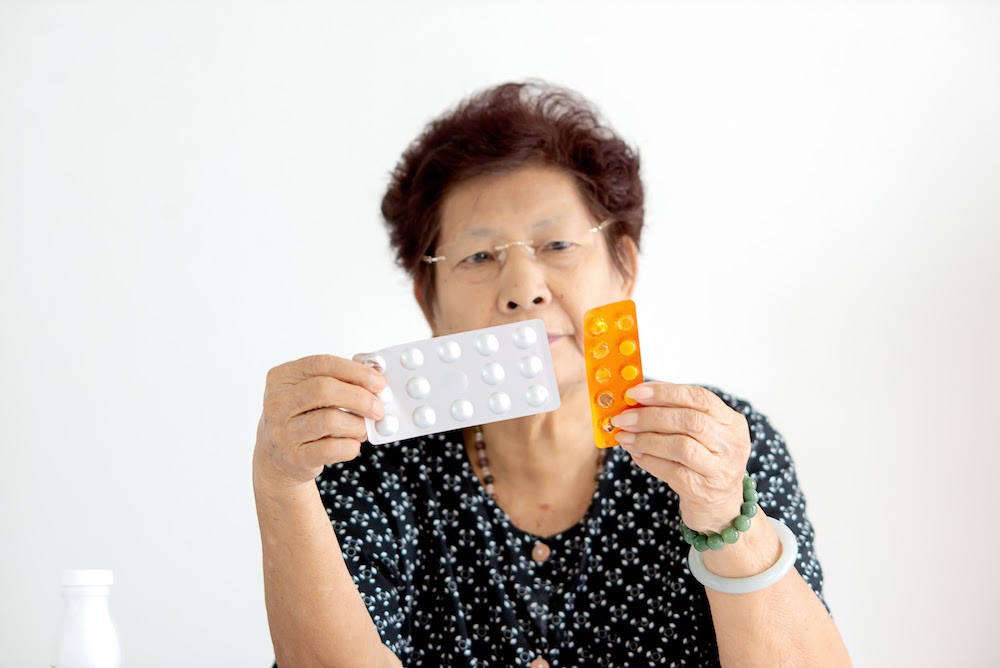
611,348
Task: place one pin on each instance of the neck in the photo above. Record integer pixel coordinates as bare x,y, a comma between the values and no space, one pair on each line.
544,460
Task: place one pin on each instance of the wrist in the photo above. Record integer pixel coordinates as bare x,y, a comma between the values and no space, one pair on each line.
757,550
270,485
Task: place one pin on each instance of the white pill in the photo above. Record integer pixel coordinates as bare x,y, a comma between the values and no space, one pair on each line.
424,417
499,402
449,351
524,337
411,358
487,344
385,395
461,410
530,366
493,373
536,395
387,426
418,387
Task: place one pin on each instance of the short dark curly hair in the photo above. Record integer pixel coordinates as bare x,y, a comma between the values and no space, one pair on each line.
495,131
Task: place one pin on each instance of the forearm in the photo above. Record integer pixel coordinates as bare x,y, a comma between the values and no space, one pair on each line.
782,625
314,610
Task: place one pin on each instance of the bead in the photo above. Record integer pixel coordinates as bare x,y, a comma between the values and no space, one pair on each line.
730,535
689,535
488,479
751,496
749,483
715,542
748,509
742,523
701,543
540,552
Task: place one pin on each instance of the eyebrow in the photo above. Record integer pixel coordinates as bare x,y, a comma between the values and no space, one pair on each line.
484,232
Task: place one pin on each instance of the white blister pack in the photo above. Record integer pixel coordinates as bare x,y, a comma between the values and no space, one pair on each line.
462,380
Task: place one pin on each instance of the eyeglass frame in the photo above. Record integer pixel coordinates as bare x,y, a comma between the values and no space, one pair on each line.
433,259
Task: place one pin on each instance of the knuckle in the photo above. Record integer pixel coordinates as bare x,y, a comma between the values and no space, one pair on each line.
332,422
697,396
694,422
689,449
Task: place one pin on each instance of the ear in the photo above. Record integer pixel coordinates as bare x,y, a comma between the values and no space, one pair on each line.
631,262
428,310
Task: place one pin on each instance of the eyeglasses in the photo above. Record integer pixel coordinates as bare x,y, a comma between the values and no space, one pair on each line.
559,246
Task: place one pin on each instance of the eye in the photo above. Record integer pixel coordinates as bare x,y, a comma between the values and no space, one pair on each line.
558,246
478,258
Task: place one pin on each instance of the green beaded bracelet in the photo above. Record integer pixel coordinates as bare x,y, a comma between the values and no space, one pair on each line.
729,535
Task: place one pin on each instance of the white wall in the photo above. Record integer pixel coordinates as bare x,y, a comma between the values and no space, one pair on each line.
189,195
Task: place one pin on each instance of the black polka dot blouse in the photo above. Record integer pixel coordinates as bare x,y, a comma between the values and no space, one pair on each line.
449,581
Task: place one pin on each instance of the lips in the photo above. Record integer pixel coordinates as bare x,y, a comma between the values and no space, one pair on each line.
553,337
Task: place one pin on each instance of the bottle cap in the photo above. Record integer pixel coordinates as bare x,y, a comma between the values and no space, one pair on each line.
87,578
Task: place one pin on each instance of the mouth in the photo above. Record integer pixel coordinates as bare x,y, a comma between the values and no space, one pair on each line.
553,337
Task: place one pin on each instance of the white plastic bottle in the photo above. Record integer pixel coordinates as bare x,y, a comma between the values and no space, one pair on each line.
87,635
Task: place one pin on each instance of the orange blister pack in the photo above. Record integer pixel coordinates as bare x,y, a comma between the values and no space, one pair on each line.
611,348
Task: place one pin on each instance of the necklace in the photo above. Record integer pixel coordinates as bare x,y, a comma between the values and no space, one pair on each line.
484,463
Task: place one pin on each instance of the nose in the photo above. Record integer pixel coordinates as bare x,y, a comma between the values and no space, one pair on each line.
522,284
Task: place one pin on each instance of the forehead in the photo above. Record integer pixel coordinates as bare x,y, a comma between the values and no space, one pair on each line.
522,201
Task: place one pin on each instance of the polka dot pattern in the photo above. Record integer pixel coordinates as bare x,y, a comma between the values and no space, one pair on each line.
449,581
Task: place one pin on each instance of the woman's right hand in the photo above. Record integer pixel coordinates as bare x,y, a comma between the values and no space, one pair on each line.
303,426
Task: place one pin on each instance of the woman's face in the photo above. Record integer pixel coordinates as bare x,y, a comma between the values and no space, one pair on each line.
566,270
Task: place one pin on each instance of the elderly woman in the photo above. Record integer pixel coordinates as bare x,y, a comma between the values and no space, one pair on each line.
518,543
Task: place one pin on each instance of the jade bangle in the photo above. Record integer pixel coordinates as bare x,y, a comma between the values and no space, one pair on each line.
789,553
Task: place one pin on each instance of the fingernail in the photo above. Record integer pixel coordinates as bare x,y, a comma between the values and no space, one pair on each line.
378,409
626,419
625,438
640,392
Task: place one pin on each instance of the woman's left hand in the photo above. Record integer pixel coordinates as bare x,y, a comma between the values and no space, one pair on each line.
690,439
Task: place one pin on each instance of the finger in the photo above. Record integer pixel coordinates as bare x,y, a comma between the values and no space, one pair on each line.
325,423
681,396
346,370
328,451
665,420
677,476
678,448
325,392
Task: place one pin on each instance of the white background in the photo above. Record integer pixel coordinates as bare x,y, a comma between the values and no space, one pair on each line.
189,195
